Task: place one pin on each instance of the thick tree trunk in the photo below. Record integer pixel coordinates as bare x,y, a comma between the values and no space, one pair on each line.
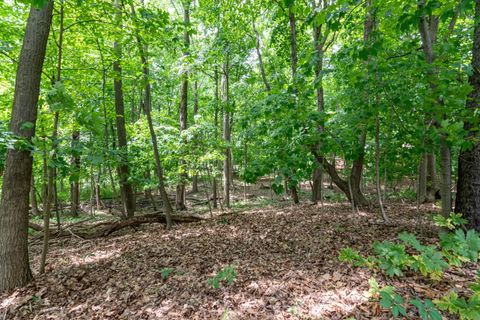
128,197
14,264
468,185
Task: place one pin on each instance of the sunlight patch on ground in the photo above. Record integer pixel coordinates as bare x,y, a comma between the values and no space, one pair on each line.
95,256
342,301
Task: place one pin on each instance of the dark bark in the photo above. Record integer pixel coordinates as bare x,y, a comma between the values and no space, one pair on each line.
14,264
74,184
128,197
468,185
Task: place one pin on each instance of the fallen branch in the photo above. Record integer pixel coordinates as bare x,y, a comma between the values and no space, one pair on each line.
105,228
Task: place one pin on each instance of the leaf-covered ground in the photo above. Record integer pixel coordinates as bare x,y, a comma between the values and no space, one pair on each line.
285,259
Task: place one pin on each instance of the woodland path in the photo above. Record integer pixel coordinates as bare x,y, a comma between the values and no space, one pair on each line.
285,259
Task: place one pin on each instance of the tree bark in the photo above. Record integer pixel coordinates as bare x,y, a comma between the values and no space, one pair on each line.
468,185
318,43
74,183
195,112
14,264
128,197
428,28
226,132
422,179
33,197
180,194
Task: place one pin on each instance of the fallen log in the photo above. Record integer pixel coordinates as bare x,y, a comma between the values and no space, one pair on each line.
106,228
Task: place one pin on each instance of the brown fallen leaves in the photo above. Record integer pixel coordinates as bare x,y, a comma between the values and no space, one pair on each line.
285,259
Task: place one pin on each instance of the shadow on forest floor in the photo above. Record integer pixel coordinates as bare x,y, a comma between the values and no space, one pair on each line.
285,259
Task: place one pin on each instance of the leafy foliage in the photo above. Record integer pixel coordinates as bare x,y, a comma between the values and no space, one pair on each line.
227,274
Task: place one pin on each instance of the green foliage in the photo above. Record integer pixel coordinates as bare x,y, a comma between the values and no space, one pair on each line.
389,298
353,257
451,222
392,257
426,309
227,274
466,308
460,247
166,272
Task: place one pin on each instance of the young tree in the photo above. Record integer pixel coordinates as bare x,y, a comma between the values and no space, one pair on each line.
14,263
180,196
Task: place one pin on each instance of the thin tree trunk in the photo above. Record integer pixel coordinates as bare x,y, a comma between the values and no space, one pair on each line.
74,184
260,60
14,263
422,179
167,207
33,197
226,133
180,195
195,112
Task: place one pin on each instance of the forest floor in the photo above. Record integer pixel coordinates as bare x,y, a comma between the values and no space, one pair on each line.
285,258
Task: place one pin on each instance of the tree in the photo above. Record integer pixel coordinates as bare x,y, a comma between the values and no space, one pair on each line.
14,263
180,196
128,197
468,186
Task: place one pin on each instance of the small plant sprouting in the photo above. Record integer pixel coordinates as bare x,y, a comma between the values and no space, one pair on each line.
227,274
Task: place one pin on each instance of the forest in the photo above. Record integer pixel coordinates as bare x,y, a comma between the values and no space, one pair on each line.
254,159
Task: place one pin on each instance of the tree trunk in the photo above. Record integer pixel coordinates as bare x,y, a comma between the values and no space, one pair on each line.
14,264
74,184
180,195
226,133
428,28
167,207
468,185
431,177
260,60
195,112
33,197
318,43
128,197
422,179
